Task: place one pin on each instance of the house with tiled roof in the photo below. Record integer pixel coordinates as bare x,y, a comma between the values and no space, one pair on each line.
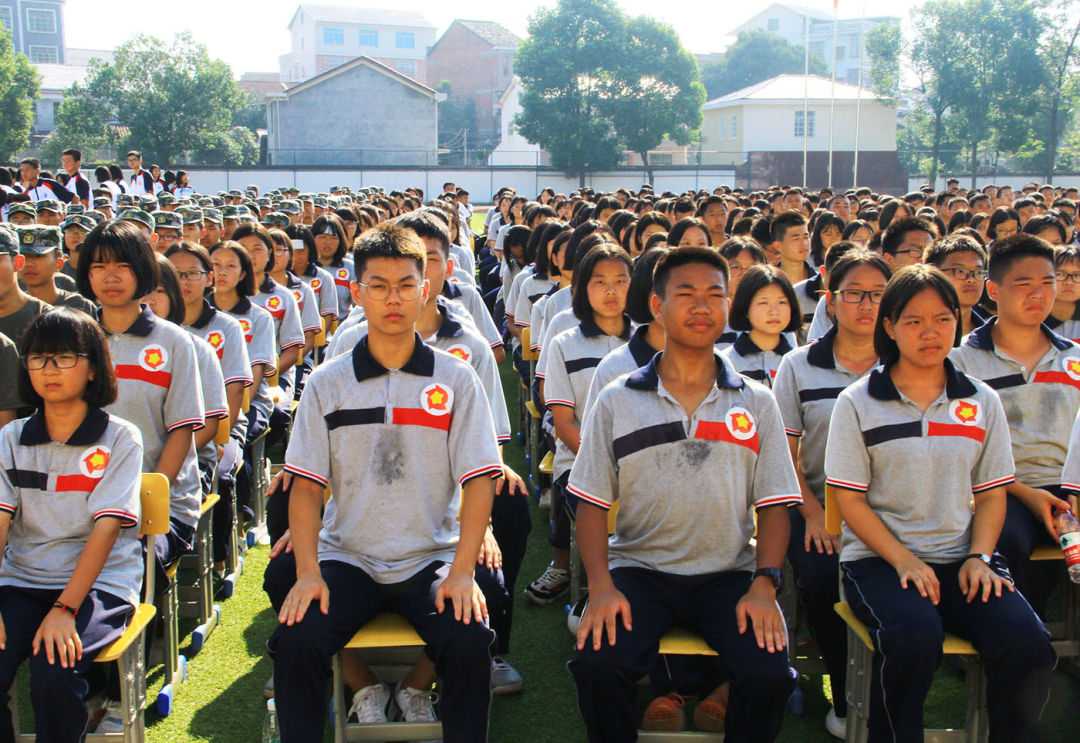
477,59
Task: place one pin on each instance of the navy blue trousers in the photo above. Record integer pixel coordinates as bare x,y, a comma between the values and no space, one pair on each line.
817,578
461,652
57,693
607,679
908,630
1020,535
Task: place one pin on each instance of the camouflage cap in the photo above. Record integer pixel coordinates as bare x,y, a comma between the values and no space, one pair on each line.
206,201
322,202
101,201
82,221
236,192
95,215
22,207
276,219
230,212
307,197
165,198
148,202
246,218
210,214
39,239
50,205
125,199
75,209
264,201
164,220
9,240
137,215
190,214
289,206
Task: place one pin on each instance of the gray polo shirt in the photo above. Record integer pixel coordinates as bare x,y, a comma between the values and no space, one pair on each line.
919,470
468,296
395,447
809,291
529,292
55,492
806,387
310,321
224,334
514,291
322,285
464,261
212,383
687,486
821,323
559,300
342,274
9,371
754,363
628,357
1066,328
158,390
281,304
355,326
258,329
1040,404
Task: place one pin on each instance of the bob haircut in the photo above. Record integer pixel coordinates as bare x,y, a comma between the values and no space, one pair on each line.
257,230
1041,222
596,249
1004,253
572,253
856,259
731,248
117,242
675,234
282,239
542,235
824,221
678,257
245,287
302,233
647,220
168,280
558,245
389,241
331,224
960,218
888,213
943,247
64,330
427,226
758,277
199,252
1002,214
909,282
1066,254
641,283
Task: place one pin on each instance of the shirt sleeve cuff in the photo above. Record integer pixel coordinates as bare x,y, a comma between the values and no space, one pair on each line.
1002,481
306,474
592,500
847,484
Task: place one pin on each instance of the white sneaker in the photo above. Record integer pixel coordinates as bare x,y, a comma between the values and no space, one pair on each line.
415,705
369,705
548,587
113,721
837,726
504,678
545,500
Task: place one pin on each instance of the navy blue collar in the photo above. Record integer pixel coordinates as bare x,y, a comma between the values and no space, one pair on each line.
648,378
143,325
553,289
89,431
820,352
812,287
205,316
881,387
242,307
982,337
291,280
421,363
590,329
267,286
639,347
980,315
744,346
450,327
452,290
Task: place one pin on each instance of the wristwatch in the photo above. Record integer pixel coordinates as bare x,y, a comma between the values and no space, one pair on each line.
985,558
772,574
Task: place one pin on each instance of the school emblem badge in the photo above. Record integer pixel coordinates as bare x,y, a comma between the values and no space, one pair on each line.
153,358
94,461
741,424
460,351
273,303
437,399
965,412
245,325
1072,367
343,273
316,285
298,297
215,339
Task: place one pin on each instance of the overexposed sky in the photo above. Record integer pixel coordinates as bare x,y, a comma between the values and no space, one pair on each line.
251,35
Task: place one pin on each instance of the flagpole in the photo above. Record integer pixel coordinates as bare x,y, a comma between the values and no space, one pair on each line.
858,100
806,89
832,92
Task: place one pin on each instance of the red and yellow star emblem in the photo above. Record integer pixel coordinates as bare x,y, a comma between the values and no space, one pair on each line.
1072,366
153,358
96,461
343,273
437,399
740,423
273,303
967,411
215,339
461,352
316,285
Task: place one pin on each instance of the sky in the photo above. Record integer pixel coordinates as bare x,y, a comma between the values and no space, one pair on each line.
251,35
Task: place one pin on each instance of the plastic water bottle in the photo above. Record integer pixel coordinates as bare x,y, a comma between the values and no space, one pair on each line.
271,734
1068,530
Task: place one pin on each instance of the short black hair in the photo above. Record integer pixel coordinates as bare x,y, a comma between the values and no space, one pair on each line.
245,287
198,251
1041,222
604,249
731,248
33,162
907,283
824,221
134,153
73,153
333,223
571,254
426,225
678,257
943,247
122,242
1004,253
756,278
303,234
893,236
539,240
64,330
784,221
680,228
257,230
641,283
389,241
168,280
1002,214
854,259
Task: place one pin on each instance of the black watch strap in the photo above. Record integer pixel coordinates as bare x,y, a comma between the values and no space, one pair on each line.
773,574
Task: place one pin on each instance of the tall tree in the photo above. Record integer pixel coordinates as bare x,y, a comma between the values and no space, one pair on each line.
883,44
755,56
1062,55
20,86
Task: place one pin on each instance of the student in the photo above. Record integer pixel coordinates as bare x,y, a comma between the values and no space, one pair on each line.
561,300
662,564
40,247
211,227
649,224
691,232
1004,223
331,247
713,211
859,232
1036,373
307,268
562,273
17,308
762,311
141,180
806,386
69,515
828,229
914,565
531,285
74,228
306,302
442,467
168,226
963,260
791,242
468,297
10,403
904,241
1064,317
602,279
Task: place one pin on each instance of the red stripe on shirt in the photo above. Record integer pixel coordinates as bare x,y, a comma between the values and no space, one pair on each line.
136,372
420,417
1057,377
126,519
342,282
78,483
716,431
955,429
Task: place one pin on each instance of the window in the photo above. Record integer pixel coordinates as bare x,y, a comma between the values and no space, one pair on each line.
772,25
734,130
839,53
5,17
405,40
44,54
40,21
368,37
333,36
809,129
406,67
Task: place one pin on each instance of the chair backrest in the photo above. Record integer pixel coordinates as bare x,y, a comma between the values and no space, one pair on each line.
222,436
154,499
320,337
833,521
527,354
611,514
245,406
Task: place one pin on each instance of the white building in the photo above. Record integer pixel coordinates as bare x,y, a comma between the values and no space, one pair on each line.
325,36
789,22
513,148
56,79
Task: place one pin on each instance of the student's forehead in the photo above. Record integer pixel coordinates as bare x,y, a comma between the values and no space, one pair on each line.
390,268
962,256
696,274
1030,265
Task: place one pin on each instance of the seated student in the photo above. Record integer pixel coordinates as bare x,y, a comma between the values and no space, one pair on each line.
517,259
530,287
904,241
1064,316
438,425
822,321
563,273
963,260
683,552
1036,373
331,249
69,512
791,242
307,268
913,566
306,303
41,248
806,386
740,253
602,279
763,310
468,296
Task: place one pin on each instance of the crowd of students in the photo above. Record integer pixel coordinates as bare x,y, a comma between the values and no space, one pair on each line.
709,363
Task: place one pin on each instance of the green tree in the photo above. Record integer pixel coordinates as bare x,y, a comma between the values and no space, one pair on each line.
883,47
1061,53
457,126
172,97
755,56
655,92
251,113
231,148
81,122
20,85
